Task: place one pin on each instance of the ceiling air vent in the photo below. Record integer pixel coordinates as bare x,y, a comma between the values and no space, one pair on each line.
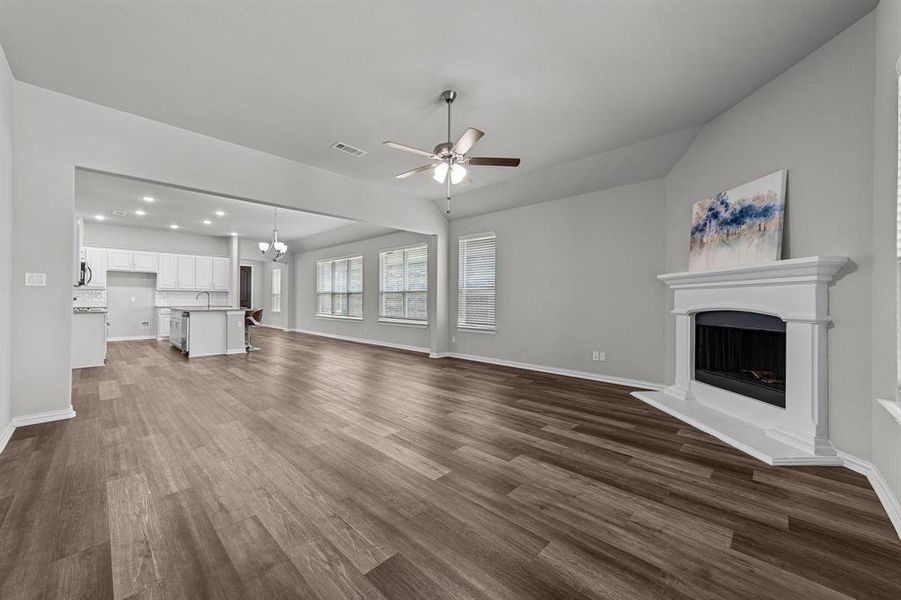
348,149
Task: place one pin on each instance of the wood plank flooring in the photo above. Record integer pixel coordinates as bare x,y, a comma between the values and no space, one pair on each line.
325,469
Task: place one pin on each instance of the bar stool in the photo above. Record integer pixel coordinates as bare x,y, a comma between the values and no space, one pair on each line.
252,318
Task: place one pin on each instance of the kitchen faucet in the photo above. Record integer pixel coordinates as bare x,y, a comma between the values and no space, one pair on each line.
208,299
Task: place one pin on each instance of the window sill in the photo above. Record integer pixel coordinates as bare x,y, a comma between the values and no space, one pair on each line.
404,323
462,329
893,407
340,318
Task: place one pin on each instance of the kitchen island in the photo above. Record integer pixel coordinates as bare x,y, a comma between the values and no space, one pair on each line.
206,331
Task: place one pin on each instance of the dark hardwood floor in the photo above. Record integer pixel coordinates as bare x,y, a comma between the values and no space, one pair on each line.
326,469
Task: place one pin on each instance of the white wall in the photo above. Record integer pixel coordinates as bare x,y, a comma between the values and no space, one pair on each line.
815,120
153,240
575,275
886,431
369,328
6,237
130,301
55,133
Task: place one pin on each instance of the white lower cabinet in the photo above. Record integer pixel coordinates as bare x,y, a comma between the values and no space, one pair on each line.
162,323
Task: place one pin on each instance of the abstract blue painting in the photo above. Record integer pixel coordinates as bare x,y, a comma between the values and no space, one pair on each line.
739,226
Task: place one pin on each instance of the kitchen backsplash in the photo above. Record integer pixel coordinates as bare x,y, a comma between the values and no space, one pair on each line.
164,298
83,297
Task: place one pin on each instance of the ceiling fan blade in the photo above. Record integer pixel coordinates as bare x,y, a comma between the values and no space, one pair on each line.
467,140
406,148
484,161
416,171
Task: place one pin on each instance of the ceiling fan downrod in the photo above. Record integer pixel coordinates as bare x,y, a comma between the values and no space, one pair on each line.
449,96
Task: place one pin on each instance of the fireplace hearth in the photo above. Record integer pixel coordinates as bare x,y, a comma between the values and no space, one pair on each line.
742,352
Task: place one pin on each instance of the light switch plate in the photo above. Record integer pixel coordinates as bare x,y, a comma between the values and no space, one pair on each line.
36,279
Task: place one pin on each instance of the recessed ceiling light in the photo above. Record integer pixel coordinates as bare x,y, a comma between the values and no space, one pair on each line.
119,213
220,213
140,212
234,233
100,217
149,198
207,222
173,226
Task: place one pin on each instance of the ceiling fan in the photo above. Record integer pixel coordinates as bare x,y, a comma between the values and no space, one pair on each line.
451,168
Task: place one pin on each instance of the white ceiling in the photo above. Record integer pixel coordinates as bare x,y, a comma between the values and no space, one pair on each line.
550,82
101,194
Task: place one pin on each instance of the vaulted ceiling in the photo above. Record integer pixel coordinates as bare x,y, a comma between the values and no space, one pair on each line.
550,82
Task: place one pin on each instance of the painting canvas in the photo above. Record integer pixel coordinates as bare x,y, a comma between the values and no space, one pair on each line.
739,226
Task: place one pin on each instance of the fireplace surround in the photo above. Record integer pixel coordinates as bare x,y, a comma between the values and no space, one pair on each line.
767,324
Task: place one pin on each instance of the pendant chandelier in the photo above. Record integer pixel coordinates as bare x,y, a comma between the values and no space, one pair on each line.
274,249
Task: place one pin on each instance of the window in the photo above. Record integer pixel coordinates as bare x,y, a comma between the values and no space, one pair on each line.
476,281
404,285
276,290
339,288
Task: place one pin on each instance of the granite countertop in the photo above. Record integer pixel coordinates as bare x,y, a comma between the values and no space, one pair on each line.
205,309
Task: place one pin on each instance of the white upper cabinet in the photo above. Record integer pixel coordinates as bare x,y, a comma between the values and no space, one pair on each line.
96,259
173,271
204,272
221,275
120,260
167,275
187,272
145,262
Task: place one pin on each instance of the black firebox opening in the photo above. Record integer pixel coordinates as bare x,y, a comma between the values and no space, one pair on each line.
742,352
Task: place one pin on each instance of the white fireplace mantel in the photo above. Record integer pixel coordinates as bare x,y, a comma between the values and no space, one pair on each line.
794,290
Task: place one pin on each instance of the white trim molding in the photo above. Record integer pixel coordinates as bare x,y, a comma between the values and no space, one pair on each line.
889,501
601,377
614,379
33,419
348,338
132,338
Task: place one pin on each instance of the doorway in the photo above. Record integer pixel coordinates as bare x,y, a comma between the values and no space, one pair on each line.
246,286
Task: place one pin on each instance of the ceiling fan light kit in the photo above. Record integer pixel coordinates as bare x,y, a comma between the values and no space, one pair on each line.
450,169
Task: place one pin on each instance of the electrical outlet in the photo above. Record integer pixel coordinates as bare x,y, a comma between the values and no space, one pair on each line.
594,355
598,356
145,324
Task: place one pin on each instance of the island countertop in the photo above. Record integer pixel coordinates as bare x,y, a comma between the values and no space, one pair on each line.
205,309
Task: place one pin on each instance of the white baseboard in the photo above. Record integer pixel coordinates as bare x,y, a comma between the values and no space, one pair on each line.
635,383
348,338
33,419
131,338
44,417
890,502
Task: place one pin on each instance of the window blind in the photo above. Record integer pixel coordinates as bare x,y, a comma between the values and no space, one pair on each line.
339,287
476,282
276,290
403,284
